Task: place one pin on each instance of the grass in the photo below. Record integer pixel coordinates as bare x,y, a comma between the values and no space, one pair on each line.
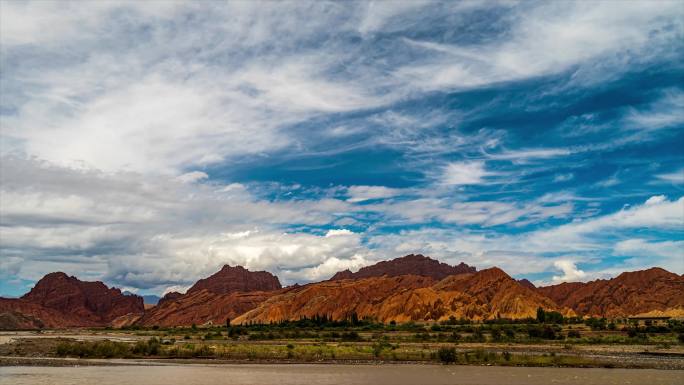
108,349
307,341
319,352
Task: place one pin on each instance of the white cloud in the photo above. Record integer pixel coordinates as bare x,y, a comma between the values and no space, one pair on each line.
664,112
338,232
127,101
464,173
192,177
525,155
177,288
327,269
676,177
570,272
485,213
656,212
547,39
559,178
153,232
364,193
669,254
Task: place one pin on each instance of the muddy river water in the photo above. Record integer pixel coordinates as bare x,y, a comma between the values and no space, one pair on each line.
291,374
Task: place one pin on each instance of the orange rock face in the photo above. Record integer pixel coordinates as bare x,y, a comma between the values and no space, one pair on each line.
224,295
202,307
412,264
338,299
384,292
628,294
487,294
233,279
58,300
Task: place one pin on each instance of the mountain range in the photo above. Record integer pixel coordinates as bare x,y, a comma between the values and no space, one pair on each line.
410,288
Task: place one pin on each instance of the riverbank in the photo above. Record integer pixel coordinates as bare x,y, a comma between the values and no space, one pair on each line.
88,347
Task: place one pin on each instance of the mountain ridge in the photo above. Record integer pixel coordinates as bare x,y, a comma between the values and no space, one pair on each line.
387,294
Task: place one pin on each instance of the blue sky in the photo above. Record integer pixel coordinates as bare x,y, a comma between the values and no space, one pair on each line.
146,144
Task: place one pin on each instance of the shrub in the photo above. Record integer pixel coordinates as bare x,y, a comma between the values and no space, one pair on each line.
351,336
147,348
96,349
546,332
454,337
447,355
574,334
680,337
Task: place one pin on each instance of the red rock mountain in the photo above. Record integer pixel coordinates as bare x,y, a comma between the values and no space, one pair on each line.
237,279
336,298
487,294
226,294
171,296
627,294
58,300
414,264
412,288
203,307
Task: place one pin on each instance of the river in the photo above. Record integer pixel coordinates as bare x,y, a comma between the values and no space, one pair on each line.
295,374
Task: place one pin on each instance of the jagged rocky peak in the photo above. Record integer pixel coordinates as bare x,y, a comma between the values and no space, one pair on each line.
415,264
237,279
92,301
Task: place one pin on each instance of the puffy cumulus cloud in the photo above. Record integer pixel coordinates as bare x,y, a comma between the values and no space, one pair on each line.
338,232
294,257
327,269
145,231
177,288
570,272
365,193
464,173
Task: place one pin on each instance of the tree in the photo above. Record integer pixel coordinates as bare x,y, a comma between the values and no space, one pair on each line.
541,315
227,323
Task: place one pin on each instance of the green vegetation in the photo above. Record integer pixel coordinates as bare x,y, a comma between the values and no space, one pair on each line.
97,349
321,329
452,341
